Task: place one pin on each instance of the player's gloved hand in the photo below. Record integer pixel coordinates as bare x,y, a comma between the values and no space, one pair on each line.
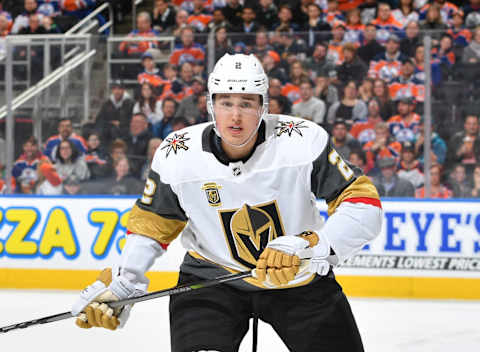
282,259
92,308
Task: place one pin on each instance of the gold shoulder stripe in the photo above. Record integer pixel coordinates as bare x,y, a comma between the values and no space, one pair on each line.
361,187
152,225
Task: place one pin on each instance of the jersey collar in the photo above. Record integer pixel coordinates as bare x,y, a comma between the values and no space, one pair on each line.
211,143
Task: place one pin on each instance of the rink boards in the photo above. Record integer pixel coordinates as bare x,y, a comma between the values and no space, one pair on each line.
427,249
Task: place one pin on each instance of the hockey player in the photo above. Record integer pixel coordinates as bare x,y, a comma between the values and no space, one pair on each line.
242,192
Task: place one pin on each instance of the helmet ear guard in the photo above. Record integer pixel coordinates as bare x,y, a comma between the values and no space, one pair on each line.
210,105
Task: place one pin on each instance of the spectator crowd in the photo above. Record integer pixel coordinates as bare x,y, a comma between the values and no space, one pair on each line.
356,67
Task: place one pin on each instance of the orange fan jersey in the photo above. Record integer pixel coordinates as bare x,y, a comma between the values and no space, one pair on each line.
403,131
363,131
152,78
181,54
387,28
335,51
200,22
399,89
385,68
392,150
347,5
291,91
443,193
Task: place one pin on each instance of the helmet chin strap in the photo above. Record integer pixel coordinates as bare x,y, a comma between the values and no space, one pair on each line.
259,115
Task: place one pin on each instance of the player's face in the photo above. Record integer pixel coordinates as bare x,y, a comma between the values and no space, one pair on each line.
237,116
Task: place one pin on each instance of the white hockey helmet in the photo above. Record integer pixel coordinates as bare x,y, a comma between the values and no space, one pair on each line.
238,73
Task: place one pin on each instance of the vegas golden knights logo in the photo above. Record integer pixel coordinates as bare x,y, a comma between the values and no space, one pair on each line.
249,229
213,196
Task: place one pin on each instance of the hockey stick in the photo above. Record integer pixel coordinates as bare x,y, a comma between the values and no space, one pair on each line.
162,293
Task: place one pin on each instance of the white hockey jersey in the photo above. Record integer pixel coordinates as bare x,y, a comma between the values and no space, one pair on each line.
227,211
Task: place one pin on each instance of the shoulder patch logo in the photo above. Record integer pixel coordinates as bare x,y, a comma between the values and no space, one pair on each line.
212,193
289,127
175,143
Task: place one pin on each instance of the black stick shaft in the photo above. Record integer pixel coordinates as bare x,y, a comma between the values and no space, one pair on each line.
44,320
157,294
181,289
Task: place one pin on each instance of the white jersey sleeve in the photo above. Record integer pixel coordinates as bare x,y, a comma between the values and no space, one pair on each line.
354,206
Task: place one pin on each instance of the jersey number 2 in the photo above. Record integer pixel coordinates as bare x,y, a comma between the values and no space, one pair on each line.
342,166
148,192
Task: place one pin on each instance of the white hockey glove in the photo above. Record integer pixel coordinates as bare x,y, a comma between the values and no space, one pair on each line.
284,257
92,308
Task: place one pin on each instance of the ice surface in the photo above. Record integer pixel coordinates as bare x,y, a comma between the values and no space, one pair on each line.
386,325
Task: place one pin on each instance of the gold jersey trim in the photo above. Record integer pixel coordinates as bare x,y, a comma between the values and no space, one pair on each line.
361,187
152,225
